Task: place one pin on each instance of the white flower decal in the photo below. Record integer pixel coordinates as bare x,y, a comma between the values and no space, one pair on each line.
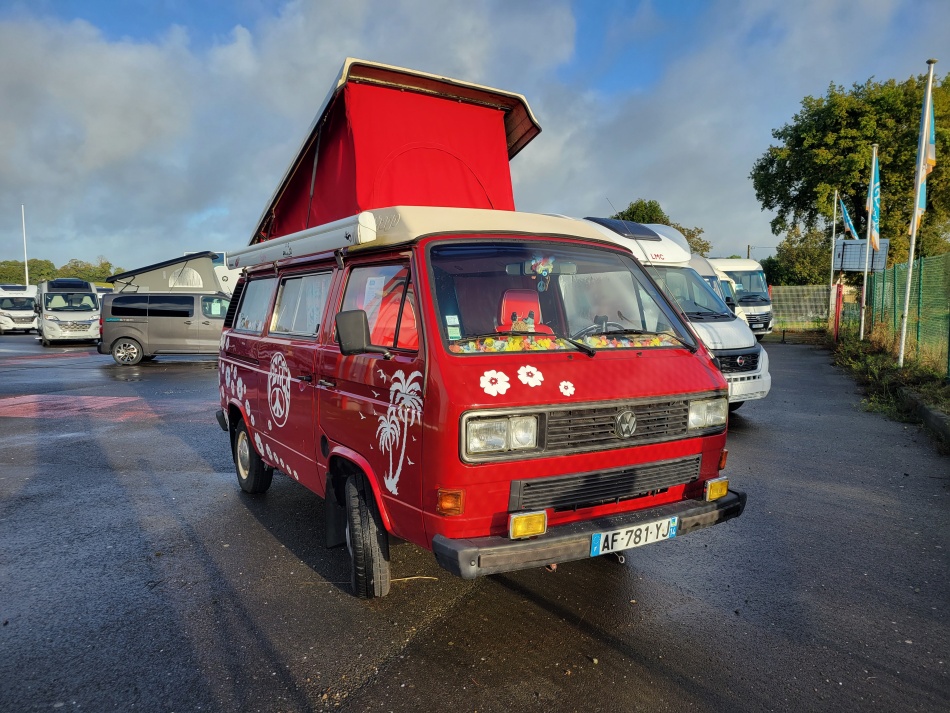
567,388
494,383
530,376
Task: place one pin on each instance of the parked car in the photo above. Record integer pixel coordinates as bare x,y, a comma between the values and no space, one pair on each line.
143,325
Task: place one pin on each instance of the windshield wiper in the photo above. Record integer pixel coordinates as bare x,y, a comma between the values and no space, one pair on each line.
620,332
589,351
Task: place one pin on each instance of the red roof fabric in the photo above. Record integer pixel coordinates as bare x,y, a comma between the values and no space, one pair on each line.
384,147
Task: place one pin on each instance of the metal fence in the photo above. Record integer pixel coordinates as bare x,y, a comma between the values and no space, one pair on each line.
928,314
799,307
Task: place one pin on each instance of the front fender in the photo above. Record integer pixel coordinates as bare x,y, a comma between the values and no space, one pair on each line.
361,463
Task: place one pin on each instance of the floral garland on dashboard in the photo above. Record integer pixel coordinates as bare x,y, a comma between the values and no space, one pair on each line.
519,343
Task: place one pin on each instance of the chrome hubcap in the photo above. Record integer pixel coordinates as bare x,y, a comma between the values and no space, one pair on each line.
126,352
243,455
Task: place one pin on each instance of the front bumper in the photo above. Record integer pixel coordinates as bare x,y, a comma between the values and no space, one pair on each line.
748,386
477,557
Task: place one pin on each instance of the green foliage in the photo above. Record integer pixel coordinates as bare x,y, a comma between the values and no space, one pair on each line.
643,211
97,272
874,365
827,146
650,211
11,271
802,258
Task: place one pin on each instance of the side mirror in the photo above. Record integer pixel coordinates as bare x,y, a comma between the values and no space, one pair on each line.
730,303
352,334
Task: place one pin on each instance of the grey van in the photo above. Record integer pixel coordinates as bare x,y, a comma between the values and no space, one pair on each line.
142,325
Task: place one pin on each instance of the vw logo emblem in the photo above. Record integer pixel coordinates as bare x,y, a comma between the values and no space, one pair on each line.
740,361
625,424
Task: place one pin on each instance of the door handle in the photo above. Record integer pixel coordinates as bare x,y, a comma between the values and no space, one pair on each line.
326,382
206,322
306,377
187,321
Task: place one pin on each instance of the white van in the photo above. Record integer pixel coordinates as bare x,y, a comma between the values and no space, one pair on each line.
67,311
17,308
665,253
752,291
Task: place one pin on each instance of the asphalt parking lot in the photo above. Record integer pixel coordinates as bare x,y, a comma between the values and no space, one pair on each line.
135,575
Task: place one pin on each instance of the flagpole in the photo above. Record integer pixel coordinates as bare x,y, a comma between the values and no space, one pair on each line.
918,174
867,247
831,284
26,264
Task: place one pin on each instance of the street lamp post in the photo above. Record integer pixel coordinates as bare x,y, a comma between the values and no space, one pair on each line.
26,264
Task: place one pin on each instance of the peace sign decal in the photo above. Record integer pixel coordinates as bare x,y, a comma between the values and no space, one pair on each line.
278,389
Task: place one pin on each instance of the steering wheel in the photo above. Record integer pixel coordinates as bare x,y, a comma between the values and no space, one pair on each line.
597,328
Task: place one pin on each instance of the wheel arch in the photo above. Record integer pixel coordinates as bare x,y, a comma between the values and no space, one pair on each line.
344,462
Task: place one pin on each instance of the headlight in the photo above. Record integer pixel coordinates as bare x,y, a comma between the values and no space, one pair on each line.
52,318
497,435
708,413
6,314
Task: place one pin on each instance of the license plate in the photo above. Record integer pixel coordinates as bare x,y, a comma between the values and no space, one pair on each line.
636,536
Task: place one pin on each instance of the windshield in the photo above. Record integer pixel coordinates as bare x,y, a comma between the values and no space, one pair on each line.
516,295
750,285
17,303
70,302
691,292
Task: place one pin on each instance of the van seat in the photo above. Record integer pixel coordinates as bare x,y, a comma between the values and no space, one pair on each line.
522,307
57,302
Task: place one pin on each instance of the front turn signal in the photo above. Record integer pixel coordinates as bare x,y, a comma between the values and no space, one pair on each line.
450,502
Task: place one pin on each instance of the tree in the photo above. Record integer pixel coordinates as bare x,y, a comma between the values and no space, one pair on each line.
97,272
11,271
649,211
827,146
802,258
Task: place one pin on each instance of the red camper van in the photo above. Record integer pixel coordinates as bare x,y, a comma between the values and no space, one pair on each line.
507,390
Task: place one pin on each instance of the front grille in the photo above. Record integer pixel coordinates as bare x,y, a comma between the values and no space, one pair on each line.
758,320
74,326
23,320
739,362
593,428
569,492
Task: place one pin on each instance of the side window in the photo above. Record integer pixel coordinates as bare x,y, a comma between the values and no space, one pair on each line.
300,304
214,307
130,306
171,306
380,291
254,305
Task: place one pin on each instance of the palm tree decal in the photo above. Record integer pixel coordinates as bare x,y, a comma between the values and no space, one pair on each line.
405,406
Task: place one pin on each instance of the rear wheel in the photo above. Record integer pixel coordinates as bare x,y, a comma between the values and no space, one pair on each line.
126,351
366,540
253,474
734,406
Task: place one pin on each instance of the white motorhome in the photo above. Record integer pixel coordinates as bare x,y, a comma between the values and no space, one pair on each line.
752,292
67,310
665,253
17,308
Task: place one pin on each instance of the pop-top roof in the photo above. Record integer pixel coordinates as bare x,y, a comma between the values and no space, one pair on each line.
389,136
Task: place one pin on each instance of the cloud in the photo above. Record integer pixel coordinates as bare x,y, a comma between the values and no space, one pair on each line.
141,150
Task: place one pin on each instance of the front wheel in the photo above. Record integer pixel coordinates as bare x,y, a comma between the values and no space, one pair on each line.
253,474
366,540
126,352
734,406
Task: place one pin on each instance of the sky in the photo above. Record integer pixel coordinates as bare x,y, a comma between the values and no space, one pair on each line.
139,130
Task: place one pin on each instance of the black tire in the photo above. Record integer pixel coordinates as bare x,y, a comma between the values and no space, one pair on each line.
253,474
758,337
148,357
126,351
366,540
734,406
44,341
